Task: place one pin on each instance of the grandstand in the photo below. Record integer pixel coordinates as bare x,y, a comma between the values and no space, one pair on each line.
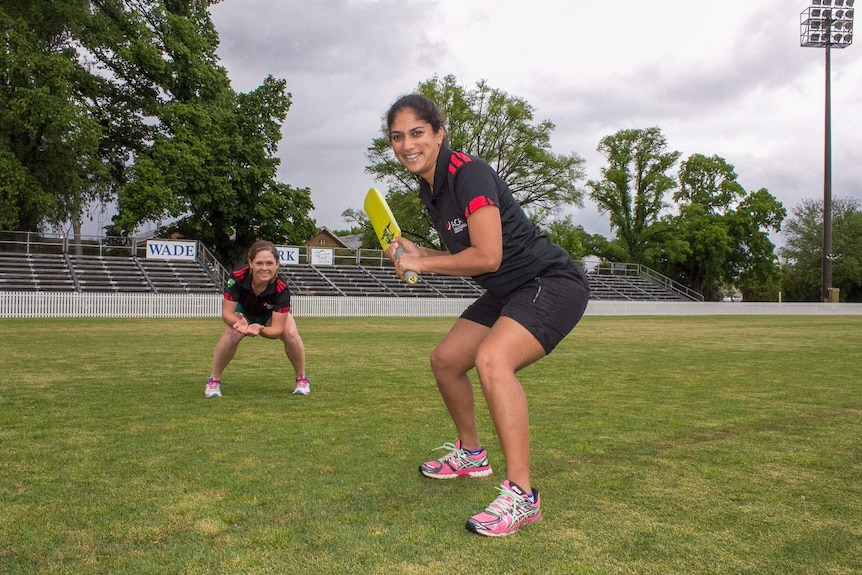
88,273
42,264
35,272
632,282
355,280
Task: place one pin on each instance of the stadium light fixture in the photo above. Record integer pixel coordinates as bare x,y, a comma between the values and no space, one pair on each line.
827,24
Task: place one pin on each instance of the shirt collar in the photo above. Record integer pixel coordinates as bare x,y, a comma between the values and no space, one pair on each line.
441,171
246,283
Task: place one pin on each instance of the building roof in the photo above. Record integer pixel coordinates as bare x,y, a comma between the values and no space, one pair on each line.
326,237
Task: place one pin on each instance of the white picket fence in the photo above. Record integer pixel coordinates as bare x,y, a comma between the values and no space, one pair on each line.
96,304
132,305
148,305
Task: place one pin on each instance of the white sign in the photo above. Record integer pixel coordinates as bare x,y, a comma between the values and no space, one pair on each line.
321,257
172,250
288,256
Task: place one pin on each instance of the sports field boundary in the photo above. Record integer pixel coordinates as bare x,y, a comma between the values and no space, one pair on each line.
148,305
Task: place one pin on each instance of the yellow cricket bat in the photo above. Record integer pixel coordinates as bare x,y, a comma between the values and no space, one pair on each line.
385,226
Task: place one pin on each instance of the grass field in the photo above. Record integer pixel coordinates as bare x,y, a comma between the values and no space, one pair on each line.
662,445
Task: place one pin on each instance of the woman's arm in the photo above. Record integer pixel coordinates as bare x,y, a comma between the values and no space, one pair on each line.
229,314
483,256
275,326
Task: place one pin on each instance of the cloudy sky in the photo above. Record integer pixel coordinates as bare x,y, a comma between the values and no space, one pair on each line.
725,77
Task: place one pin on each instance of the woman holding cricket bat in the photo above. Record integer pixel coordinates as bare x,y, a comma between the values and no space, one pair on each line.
257,303
535,295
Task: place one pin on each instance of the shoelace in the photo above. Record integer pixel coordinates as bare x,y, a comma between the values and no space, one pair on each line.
507,500
454,452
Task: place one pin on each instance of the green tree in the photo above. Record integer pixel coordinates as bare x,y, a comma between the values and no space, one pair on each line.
803,248
754,264
125,100
692,249
50,167
633,187
720,235
203,155
500,129
570,237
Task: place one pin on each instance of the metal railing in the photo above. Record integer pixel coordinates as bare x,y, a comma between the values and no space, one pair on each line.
217,272
638,270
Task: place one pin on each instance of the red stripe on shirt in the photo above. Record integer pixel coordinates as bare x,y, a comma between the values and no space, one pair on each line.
241,273
457,160
477,203
280,286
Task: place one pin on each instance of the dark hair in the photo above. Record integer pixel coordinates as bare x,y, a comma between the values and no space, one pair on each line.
262,246
422,106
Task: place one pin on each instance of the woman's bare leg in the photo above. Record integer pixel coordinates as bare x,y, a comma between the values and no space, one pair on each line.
508,348
453,357
225,350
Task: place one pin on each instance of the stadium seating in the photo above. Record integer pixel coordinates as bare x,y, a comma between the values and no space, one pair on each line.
89,273
100,273
39,272
633,288
177,276
107,273
307,280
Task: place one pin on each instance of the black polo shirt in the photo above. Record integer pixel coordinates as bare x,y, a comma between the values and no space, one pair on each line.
464,184
275,298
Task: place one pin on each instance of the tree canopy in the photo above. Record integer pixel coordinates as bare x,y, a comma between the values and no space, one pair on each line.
802,250
125,100
50,165
712,235
720,235
633,186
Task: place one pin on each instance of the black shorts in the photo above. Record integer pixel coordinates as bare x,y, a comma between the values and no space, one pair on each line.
548,306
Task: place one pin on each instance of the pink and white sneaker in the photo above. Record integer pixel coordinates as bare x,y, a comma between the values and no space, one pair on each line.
213,388
510,511
457,463
303,386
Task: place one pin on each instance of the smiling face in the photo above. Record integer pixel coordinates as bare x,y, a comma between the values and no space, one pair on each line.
264,266
415,143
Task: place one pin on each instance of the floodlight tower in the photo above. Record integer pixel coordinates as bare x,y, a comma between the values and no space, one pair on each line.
827,24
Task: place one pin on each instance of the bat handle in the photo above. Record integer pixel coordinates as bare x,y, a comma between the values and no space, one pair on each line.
409,276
